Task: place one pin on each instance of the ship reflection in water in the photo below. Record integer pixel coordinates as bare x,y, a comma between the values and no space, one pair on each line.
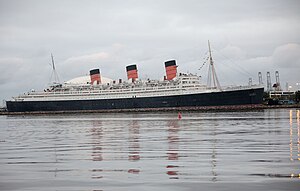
133,145
295,141
173,142
151,150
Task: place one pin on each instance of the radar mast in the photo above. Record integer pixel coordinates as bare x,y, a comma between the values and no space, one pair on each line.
54,74
212,80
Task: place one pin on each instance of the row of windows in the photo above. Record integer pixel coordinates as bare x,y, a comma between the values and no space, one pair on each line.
188,82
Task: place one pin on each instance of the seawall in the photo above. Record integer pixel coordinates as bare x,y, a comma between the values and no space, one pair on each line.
186,109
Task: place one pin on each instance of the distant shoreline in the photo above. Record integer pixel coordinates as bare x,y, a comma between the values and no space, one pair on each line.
186,109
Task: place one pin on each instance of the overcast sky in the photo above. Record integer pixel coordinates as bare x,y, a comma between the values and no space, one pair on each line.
247,37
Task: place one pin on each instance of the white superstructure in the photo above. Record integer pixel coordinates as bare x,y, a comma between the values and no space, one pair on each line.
181,85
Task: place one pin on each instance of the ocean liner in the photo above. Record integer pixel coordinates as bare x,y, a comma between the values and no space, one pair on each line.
176,90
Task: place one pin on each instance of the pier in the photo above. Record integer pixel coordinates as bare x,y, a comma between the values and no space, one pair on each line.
230,108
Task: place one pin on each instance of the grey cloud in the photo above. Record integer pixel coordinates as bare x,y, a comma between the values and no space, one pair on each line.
284,58
287,56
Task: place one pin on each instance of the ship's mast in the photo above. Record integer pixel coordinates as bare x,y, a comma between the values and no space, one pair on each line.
212,81
54,73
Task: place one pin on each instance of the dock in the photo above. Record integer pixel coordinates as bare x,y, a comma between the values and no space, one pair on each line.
231,108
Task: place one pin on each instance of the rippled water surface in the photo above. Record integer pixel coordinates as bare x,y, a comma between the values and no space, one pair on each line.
151,151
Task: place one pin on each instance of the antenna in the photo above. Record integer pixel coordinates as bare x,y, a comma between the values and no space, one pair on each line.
260,78
54,73
250,82
278,88
212,80
269,86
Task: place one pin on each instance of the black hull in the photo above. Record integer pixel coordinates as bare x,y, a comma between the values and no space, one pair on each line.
239,97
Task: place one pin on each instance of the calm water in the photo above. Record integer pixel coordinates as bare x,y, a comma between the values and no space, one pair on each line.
151,151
